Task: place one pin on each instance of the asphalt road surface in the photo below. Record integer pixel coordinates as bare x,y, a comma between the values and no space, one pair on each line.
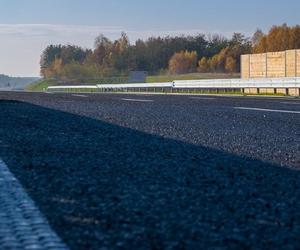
115,171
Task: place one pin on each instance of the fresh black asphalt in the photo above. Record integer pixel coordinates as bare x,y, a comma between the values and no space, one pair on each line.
178,172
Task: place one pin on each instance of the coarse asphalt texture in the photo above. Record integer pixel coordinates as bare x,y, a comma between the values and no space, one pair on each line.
112,171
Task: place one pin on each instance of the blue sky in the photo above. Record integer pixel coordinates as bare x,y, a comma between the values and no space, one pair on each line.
27,27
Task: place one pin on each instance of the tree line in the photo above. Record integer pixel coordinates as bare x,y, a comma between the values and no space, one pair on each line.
278,38
156,55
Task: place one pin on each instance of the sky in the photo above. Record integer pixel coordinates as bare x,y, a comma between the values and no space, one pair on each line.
28,26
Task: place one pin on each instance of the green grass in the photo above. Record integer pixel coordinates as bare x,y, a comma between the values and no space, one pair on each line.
192,76
45,83
41,85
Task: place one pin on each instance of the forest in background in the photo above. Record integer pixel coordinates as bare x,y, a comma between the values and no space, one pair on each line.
162,55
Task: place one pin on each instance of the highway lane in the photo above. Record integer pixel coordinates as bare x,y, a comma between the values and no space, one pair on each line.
233,124
158,171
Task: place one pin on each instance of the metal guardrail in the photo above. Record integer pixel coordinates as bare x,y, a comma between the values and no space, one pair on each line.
73,87
136,85
240,83
293,82
115,86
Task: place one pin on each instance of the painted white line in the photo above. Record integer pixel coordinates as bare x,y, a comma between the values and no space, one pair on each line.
269,110
79,95
291,103
21,223
203,98
136,100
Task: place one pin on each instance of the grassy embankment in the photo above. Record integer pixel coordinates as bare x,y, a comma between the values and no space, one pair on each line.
192,76
41,85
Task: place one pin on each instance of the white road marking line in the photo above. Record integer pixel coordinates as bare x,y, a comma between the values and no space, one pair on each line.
291,103
203,98
269,110
136,100
79,95
18,209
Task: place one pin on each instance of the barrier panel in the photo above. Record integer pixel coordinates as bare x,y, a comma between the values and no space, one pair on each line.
271,64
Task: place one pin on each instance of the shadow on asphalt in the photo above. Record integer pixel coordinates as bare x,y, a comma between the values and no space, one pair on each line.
102,185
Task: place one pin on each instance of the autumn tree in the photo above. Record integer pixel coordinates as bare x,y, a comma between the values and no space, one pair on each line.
262,45
183,62
203,65
279,38
230,64
47,59
121,56
294,37
54,57
213,63
103,48
228,59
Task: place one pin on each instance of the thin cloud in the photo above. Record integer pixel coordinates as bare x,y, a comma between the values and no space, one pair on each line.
61,30
54,29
